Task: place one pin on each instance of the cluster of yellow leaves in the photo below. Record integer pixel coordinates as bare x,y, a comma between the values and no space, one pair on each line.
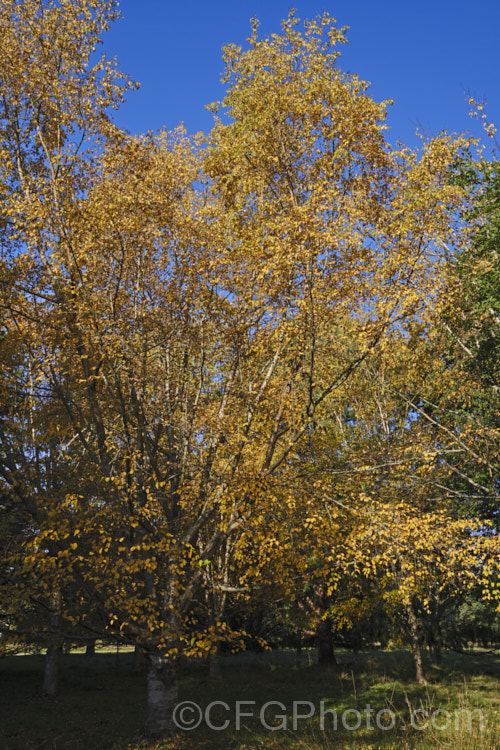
189,311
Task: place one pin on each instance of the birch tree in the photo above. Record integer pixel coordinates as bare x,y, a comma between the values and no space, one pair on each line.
175,296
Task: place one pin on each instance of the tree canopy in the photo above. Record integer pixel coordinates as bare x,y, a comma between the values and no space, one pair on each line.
211,344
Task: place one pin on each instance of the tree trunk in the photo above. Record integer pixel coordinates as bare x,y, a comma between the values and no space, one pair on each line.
298,648
215,665
324,644
162,696
433,630
139,659
435,652
415,644
90,650
51,671
54,649
298,644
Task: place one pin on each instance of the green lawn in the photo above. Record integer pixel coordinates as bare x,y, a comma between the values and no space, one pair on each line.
101,703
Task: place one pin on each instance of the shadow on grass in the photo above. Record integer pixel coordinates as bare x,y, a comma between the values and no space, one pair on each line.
101,702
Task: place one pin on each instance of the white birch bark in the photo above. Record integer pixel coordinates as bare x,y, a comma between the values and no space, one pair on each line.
162,696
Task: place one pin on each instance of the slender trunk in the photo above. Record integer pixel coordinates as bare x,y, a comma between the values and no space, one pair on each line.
434,643
435,652
162,696
139,659
298,648
415,644
90,650
298,642
54,650
434,635
51,671
324,644
215,665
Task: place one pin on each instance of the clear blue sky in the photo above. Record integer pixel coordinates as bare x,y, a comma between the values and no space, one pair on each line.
423,54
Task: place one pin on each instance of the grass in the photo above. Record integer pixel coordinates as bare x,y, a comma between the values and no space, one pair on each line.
101,704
